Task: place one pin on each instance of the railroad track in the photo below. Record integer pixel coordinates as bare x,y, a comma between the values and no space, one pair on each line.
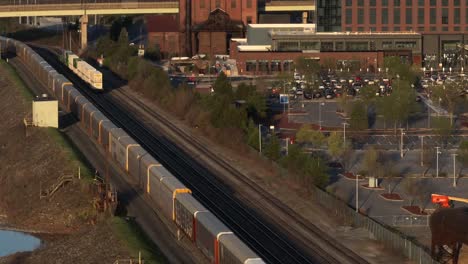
330,244
271,243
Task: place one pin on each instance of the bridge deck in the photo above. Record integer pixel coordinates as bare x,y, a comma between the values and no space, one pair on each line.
73,8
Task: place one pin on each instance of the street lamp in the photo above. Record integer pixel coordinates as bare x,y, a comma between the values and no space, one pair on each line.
401,142
437,161
344,133
422,150
454,170
320,114
260,138
287,146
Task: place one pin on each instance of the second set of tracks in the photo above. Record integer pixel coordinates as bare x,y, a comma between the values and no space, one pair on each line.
275,239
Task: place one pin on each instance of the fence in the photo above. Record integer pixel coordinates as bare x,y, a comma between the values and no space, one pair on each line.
389,236
403,220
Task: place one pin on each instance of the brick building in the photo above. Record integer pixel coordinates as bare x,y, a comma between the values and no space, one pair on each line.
167,37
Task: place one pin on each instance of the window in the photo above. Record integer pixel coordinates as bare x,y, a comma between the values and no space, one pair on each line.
433,16
360,3
263,66
233,3
456,2
433,29
349,16
384,2
202,3
218,3
360,29
288,65
433,2
326,46
371,45
310,45
405,44
420,15
387,45
385,16
348,29
456,28
409,16
288,46
396,3
349,2
249,3
251,65
445,18
357,46
275,65
372,16
372,2
339,46
421,3
421,29
384,28
409,2
456,16
445,29
396,16
444,2
396,29
249,20
360,16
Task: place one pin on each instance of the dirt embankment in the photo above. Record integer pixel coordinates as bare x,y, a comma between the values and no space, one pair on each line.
34,162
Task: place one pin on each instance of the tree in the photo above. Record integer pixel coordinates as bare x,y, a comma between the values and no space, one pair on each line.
442,128
252,135
410,186
448,96
273,148
335,145
429,159
390,173
463,153
397,68
372,162
307,135
359,120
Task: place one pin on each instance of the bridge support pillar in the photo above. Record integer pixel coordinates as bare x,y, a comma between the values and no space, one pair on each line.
84,32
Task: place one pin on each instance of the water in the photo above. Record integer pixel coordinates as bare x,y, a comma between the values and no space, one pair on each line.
12,242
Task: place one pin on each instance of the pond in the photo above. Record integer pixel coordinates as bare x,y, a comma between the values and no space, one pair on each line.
12,242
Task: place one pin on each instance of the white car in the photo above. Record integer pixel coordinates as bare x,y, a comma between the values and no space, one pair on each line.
440,82
371,83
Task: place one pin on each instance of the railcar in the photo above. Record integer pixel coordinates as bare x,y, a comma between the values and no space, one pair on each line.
85,71
233,250
170,188
186,210
209,230
118,151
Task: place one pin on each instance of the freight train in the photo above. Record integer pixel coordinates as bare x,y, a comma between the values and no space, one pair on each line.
169,196
81,68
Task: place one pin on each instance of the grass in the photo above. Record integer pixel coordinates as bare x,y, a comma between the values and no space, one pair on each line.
17,81
137,241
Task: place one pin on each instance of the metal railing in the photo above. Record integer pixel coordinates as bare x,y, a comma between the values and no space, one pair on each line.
88,6
389,236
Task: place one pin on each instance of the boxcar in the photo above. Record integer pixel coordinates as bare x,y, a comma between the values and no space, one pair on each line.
135,153
77,104
106,128
116,149
209,230
70,98
186,210
147,162
96,122
233,250
88,111
170,187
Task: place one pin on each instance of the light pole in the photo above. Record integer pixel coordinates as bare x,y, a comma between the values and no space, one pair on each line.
401,142
320,114
357,193
287,146
422,150
454,170
437,161
260,138
344,133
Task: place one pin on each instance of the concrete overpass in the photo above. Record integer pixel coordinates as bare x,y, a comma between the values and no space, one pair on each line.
60,8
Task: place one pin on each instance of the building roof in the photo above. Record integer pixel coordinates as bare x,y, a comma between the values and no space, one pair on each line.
162,23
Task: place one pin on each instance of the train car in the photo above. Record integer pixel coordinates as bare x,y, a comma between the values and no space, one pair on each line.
233,251
97,120
209,231
135,154
57,85
68,93
88,111
117,151
106,128
86,72
170,188
186,210
147,162
75,105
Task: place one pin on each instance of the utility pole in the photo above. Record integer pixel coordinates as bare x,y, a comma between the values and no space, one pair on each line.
287,146
437,161
344,133
357,193
401,142
454,170
320,114
422,150
260,138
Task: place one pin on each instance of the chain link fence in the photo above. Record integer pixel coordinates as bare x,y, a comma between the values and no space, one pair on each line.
404,220
386,234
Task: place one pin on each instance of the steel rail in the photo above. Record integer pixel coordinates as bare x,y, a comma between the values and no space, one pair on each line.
270,243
